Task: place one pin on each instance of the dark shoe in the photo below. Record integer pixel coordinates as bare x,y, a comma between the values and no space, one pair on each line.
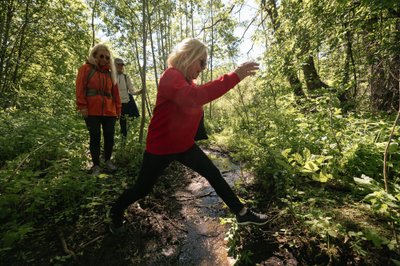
116,226
251,217
117,231
110,166
96,170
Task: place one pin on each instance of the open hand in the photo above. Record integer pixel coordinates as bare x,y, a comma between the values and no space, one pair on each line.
83,112
246,69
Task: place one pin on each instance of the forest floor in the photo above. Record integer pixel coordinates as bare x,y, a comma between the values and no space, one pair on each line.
184,222
178,224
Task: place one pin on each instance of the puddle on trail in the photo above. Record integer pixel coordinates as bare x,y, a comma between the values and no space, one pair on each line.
204,244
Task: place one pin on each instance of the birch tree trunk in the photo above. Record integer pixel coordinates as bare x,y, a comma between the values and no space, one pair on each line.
143,72
93,26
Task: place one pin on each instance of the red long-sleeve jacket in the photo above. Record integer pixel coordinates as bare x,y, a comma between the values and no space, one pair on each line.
99,104
179,108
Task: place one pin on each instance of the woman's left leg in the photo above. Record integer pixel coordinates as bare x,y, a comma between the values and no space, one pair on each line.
108,124
198,161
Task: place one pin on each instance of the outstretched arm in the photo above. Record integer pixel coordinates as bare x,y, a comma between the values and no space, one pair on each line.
246,69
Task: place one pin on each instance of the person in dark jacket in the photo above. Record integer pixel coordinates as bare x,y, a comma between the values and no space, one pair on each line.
173,126
98,101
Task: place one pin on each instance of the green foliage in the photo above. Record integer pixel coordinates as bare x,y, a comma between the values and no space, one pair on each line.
296,151
43,45
383,203
44,184
308,164
234,243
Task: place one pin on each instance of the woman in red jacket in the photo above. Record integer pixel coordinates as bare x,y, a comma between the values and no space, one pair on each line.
97,99
178,110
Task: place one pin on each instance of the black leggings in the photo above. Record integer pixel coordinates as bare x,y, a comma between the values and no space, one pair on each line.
153,167
123,125
93,124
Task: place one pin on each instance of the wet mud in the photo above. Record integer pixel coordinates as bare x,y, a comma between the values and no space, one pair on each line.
202,209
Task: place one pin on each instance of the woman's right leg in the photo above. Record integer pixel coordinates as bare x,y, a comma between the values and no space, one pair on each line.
198,161
123,120
108,125
123,126
152,167
93,125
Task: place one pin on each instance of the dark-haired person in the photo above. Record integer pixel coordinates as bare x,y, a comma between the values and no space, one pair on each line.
176,116
98,101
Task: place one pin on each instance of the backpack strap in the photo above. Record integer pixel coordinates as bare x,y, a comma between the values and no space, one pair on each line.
93,92
89,76
91,73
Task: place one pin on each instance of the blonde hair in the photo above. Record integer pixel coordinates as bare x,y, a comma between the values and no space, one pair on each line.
92,59
185,53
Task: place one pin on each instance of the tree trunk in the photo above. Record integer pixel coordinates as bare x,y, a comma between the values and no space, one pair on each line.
143,72
270,6
349,95
311,76
211,50
21,45
153,55
383,84
6,21
313,81
294,81
93,26
191,17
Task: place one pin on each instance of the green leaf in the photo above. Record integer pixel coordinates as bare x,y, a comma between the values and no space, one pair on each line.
333,233
307,154
285,153
298,158
376,239
310,167
367,182
393,147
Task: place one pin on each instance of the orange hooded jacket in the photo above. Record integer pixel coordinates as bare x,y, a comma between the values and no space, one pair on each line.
103,99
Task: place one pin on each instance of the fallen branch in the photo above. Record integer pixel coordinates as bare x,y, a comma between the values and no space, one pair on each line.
182,198
65,247
27,156
84,245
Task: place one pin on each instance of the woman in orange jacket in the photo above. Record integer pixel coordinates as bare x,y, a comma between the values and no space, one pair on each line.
98,101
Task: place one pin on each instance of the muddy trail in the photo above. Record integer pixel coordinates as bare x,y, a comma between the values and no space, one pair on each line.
178,224
183,222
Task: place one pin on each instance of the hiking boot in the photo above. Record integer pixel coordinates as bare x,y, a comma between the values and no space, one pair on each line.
251,217
117,226
117,231
110,166
96,170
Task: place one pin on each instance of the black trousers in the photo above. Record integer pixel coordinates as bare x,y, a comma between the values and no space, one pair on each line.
123,125
94,125
153,167
123,119
129,110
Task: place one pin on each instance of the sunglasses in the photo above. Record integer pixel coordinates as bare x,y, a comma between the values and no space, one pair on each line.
203,63
104,56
